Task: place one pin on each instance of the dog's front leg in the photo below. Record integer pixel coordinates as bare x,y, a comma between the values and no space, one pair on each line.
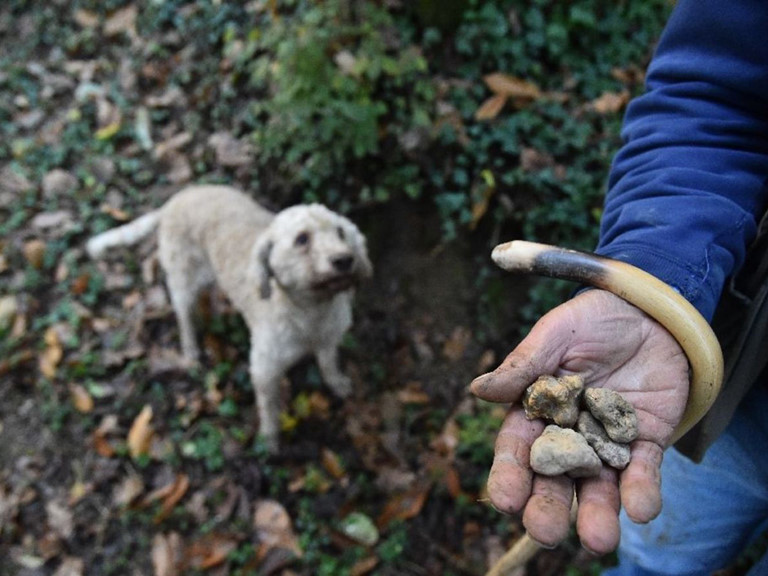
328,362
268,404
265,377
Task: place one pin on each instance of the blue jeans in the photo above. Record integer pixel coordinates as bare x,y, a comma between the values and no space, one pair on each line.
711,510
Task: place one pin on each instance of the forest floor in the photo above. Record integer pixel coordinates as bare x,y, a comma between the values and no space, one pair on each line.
117,460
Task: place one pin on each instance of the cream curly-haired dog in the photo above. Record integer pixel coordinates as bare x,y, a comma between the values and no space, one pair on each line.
291,275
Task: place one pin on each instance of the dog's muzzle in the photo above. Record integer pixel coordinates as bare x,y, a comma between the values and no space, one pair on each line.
335,284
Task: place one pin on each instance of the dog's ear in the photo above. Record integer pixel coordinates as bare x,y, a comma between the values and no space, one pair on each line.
262,268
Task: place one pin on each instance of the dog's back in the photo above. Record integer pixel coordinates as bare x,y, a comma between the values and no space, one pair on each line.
205,211
217,226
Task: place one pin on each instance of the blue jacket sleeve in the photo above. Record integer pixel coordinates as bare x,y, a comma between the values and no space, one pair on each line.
689,185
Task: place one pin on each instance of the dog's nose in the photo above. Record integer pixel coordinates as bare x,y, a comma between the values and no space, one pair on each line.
342,263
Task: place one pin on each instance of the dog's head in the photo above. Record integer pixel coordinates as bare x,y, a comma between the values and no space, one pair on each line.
311,252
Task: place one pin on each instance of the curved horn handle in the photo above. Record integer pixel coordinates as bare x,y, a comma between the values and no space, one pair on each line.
657,299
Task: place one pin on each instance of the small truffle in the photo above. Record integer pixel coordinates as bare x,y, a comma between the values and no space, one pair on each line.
563,451
554,399
612,453
614,412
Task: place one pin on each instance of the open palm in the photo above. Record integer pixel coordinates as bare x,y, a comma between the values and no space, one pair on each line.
611,344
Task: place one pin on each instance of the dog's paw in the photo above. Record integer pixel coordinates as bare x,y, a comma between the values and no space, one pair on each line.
269,443
341,385
191,357
190,364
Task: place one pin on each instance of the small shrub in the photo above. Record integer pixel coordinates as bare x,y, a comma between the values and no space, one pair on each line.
335,85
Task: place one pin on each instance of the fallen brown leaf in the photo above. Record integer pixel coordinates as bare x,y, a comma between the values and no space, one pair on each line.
9,309
274,527
482,193
60,517
166,554
161,493
491,108
131,300
56,221
116,213
273,561
78,491
179,168
122,21
197,506
209,550
404,506
312,477
332,464
511,86
610,102
128,490
107,426
178,489
235,495
394,480
19,327
320,405
172,145
442,470
487,362
13,181
532,160
70,567
80,284
632,75
445,444
81,399
15,360
50,545
140,434
34,253
412,393
86,18
364,566
229,150
506,87
456,345
52,355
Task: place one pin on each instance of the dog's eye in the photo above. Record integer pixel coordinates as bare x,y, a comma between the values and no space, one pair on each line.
302,239
340,232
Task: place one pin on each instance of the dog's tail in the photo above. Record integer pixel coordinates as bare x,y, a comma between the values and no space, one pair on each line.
126,235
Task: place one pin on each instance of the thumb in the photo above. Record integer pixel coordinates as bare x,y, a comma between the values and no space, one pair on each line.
539,353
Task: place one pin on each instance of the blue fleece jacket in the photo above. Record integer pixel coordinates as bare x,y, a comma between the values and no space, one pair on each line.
689,186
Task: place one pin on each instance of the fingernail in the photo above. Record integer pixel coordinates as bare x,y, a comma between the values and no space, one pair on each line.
499,510
478,382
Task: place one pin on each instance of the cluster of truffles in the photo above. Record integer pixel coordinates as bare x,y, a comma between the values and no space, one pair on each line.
589,427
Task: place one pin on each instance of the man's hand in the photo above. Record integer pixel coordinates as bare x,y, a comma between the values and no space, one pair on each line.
611,344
